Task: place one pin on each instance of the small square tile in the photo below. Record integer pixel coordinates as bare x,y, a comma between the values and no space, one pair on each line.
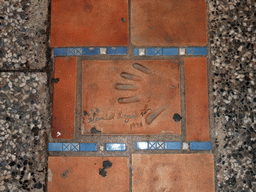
74,51
200,146
152,145
66,147
60,51
160,145
115,147
196,50
173,172
142,51
64,98
103,51
74,146
185,146
173,145
141,145
170,51
182,51
91,51
169,23
106,85
88,146
54,146
135,51
117,51
95,174
89,23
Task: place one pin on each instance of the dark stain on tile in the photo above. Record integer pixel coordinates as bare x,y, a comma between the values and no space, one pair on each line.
106,165
65,174
177,117
55,80
94,130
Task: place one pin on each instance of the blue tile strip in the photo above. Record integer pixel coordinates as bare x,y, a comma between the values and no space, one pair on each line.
60,51
154,51
196,50
91,51
88,147
74,51
173,145
115,147
200,146
117,50
72,147
135,51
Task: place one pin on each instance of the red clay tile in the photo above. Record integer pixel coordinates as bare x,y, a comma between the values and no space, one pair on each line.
79,174
64,98
173,172
169,23
196,91
131,97
89,23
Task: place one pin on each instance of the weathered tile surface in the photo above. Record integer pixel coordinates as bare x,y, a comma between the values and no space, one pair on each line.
168,23
142,97
196,91
89,23
173,172
67,174
64,98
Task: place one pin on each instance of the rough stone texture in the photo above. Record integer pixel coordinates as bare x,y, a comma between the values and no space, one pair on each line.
232,39
23,124
23,34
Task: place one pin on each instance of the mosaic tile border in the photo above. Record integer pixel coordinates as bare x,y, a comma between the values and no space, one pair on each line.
89,51
175,145
169,51
140,145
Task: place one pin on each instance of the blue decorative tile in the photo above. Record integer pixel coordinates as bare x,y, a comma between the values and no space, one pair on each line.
196,50
74,147
173,145
66,147
115,147
88,146
60,51
142,145
170,51
154,51
74,51
91,51
54,146
152,145
117,51
200,146
160,145
135,51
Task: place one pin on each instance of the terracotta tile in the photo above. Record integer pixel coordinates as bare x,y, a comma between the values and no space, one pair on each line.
78,174
131,97
64,98
196,92
173,172
89,23
169,23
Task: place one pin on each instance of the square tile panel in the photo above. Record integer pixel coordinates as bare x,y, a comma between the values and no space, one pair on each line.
108,174
169,23
130,97
89,23
173,172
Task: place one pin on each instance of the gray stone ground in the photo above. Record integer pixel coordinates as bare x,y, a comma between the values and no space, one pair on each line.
24,98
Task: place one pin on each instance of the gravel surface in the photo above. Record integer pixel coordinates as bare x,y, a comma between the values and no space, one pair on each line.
233,42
